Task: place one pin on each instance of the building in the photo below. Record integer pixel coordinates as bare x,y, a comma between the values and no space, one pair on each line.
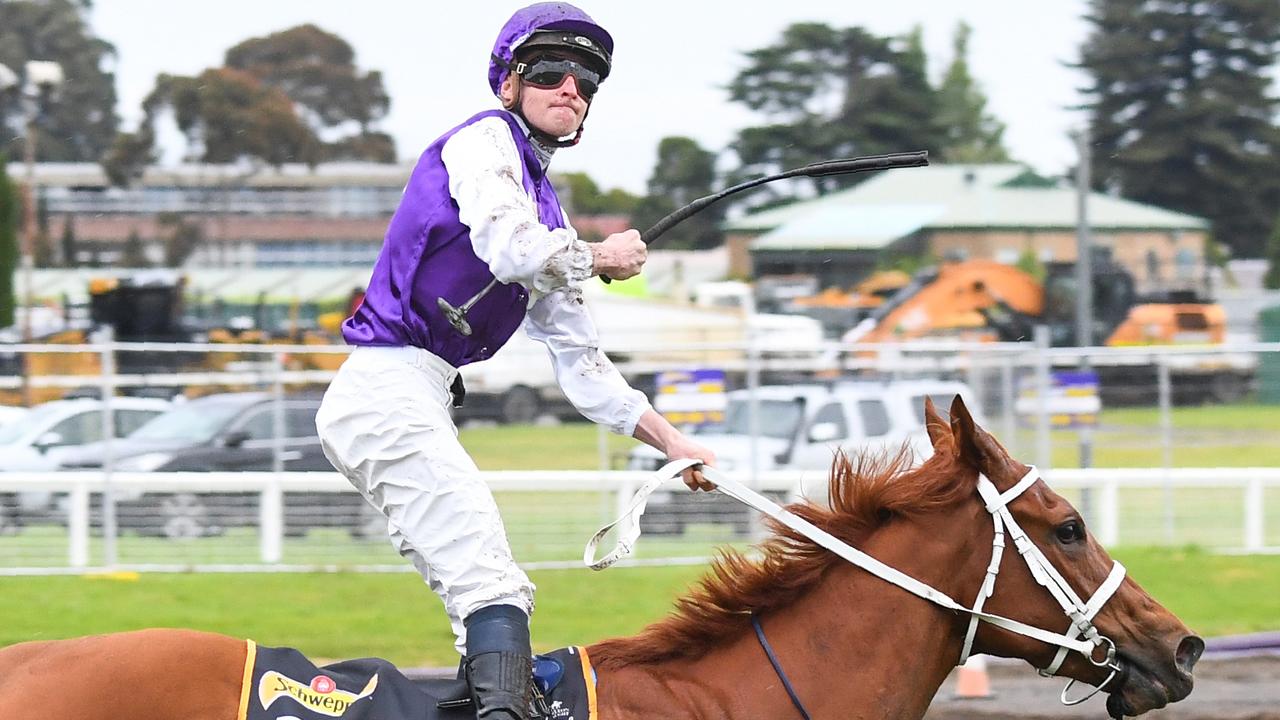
244,215
1001,212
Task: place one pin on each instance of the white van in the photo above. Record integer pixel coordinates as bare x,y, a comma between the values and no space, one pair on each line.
800,427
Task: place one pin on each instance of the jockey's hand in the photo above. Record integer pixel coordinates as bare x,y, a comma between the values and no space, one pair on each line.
693,477
619,256
655,430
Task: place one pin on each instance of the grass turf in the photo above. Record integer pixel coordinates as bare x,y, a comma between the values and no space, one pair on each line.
343,615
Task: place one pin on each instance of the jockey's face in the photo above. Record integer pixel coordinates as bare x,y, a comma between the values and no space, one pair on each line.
557,111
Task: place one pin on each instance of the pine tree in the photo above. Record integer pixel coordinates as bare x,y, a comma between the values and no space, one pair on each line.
1271,280
829,93
971,134
1180,112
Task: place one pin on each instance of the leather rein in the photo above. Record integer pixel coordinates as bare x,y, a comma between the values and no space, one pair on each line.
1082,636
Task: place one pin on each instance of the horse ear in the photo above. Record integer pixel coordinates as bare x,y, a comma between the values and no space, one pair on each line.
935,424
973,444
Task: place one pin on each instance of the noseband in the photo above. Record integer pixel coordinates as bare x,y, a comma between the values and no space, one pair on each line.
1082,636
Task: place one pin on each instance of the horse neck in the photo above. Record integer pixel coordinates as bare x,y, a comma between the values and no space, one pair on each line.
853,646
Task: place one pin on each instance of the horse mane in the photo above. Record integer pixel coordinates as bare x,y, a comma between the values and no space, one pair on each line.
863,494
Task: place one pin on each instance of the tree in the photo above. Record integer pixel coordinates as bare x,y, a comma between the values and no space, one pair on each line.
68,242
683,173
829,93
229,115
317,70
134,255
1180,114
9,204
584,197
80,124
181,238
970,134
43,253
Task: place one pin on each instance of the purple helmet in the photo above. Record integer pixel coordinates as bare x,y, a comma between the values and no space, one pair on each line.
595,41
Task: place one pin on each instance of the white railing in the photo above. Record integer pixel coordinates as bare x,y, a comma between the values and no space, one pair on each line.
549,516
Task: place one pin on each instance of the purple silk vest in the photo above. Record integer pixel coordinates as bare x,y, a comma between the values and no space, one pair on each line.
427,254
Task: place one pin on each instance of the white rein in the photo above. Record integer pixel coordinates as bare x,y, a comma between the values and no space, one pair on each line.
1083,636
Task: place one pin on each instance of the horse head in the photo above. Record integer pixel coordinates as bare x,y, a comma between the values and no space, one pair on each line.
1142,654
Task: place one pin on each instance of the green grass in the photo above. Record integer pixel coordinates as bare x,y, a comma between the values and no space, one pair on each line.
1240,435
342,615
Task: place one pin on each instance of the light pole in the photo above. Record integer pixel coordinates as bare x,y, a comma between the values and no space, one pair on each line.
37,86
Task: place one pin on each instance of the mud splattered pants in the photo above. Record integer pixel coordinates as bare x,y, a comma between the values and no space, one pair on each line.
384,424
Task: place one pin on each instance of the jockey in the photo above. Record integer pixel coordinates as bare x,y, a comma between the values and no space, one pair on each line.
478,247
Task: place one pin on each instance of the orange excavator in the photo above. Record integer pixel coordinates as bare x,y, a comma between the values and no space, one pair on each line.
987,301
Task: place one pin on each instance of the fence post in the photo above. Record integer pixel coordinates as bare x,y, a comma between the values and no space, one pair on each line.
271,506
110,529
78,526
1044,448
1165,396
1008,404
1109,513
622,502
1253,515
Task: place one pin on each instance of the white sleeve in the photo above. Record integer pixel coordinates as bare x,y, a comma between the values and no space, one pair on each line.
589,379
485,179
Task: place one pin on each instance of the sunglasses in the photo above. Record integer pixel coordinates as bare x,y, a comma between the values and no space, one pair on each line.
549,72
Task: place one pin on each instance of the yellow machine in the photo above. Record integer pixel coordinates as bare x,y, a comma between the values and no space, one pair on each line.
983,300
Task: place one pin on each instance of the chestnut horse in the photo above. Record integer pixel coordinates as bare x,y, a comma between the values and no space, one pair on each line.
846,644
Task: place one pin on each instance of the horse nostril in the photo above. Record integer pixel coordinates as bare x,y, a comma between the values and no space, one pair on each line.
1189,651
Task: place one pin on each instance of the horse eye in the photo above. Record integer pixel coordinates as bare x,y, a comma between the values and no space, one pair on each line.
1071,531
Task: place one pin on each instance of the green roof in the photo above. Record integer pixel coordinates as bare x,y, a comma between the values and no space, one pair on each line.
848,226
944,196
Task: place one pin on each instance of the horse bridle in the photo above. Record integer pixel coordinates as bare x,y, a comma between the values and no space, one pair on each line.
1082,636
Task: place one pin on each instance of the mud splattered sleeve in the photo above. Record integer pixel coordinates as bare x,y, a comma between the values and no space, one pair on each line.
588,378
486,180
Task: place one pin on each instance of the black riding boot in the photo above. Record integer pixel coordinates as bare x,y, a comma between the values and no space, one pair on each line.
498,663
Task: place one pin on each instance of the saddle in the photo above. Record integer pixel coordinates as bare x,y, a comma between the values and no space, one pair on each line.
282,683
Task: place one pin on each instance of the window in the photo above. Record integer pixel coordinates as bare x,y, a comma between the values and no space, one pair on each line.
126,421
875,417
300,421
1186,264
834,414
775,418
81,428
258,424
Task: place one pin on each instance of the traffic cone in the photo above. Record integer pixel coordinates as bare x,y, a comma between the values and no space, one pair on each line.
972,680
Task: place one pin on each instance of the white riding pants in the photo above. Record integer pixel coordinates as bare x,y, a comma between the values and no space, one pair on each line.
385,424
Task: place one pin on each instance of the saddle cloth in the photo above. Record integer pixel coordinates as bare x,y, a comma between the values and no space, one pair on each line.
281,684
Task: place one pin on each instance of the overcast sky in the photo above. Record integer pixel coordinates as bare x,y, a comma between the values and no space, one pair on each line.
672,62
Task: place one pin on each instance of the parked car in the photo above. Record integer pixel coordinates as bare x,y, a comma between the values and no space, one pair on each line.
40,437
221,433
10,414
799,427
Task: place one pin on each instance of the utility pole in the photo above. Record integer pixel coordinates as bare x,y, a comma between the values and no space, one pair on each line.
1084,298
1084,243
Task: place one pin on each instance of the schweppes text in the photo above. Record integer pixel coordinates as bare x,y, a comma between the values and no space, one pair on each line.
327,699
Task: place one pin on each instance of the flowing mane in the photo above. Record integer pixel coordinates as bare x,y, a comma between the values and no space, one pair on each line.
863,494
